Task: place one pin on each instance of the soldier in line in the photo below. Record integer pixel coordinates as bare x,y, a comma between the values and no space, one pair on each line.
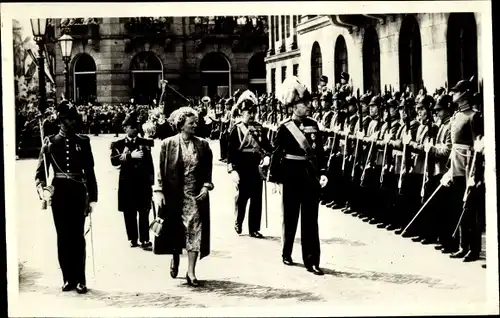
466,126
133,155
248,147
298,164
72,195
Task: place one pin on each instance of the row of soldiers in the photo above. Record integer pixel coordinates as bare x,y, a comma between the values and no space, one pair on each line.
409,164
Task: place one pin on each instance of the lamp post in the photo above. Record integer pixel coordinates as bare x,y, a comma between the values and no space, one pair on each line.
66,43
39,26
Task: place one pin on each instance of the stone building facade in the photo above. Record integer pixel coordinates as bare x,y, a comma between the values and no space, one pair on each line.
392,51
115,59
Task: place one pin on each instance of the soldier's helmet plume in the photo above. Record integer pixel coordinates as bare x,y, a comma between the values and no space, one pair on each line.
292,91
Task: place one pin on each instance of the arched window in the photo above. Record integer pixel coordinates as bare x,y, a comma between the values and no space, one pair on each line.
341,62
371,61
147,71
461,48
215,75
84,79
257,73
316,66
410,55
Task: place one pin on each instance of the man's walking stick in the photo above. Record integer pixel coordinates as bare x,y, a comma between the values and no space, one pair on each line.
422,208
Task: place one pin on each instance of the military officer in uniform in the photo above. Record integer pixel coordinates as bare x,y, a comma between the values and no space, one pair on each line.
248,147
72,195
133,155
465,128
298,163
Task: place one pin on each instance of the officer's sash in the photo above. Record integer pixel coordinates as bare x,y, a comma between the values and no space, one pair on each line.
247,136
299,137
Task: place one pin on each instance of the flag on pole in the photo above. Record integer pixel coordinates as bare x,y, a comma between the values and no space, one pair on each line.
34,57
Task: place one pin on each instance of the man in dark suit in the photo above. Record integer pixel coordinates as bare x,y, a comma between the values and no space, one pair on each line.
133,155
72,195
298,163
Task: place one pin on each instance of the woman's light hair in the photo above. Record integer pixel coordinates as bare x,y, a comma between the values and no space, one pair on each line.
178,117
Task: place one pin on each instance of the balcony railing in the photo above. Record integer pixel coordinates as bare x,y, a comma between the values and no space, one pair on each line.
149,27
81,27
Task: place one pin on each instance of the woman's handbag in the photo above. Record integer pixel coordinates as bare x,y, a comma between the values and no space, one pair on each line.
157,225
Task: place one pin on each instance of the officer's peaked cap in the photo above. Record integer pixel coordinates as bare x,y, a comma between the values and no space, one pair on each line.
344,75
324,79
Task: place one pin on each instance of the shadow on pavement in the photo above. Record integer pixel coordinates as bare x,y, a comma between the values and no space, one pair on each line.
229,288
333,240
391,278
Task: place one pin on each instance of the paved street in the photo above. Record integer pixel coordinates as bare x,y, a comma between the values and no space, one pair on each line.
364,266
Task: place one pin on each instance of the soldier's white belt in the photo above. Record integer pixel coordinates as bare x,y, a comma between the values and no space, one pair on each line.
295,157
63,175
250,150
461,147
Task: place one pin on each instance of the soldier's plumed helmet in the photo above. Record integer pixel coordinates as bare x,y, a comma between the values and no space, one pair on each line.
324,79
247,101
351,101
376,101
66,110
462,86
425,101
407,102
293,91
131,120
443,102
344,76
392,103
366,98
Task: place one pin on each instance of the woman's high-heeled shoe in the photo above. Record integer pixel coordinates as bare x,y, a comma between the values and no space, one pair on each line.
193,283
174,269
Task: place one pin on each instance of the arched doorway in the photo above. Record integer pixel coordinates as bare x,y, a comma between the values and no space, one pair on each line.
215,75
341,62
410,55
257,73
84,79
147,71
462,48
316,66
371,61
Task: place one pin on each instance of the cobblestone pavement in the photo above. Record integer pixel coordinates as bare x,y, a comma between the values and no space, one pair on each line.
364,266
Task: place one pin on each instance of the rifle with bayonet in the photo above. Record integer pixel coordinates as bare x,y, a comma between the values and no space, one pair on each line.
359,134
385,160
406,154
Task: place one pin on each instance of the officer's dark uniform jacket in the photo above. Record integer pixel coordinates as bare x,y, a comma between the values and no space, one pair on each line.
290,161
136,175
397,145
417,147
248,144
465,127
441,152
72,161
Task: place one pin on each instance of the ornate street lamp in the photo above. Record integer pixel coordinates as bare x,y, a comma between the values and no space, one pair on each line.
66,43
39,26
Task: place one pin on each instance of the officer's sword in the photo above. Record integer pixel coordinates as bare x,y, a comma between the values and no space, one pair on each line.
92,243
422,208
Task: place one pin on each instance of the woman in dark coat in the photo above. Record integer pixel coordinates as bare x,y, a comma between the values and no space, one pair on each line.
183,183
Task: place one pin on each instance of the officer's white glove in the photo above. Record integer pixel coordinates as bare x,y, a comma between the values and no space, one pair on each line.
360,134
159,198
427,145
387,137
479,145
137,154
47,193
235,177
266,161
92,207
406,138
323,181
446,179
